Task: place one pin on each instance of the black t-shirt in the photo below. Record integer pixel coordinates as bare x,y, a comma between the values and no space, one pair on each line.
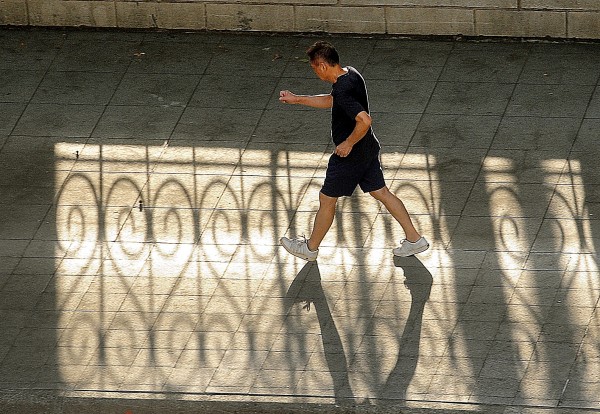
349,99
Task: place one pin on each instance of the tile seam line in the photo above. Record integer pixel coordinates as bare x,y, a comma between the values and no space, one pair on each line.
102,234
68,394
590,100
477,179
50,207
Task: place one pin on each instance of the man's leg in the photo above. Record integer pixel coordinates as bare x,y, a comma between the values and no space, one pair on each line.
309,249
323,220
396,208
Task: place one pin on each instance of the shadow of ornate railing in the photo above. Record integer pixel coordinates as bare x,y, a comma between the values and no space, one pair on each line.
173,281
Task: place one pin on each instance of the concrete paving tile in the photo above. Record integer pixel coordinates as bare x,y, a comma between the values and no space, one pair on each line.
546,261
58,300
449,367
34,283
117,358
472,233
291,127
571,240
593,110
516,331
238,92
484,65
500,388
11,253
21,375
526,166
584,140
58,120
18,86
576,69
94,55
189,58
536,134
35,179
63,148
579,280
498,278
490,295
454,131
9,115
154,89
509,200
275,379
9,335
571,312
473,98
18,300
94,301
191,380
70,283
526,296
501,369
554,332
14,318
76,88
394,129
482,312
405,97
549,100
34,50
137,122
45,338
449,165
482,330
119,338
404,63
194,358
541,279
94,378
577,166
261,59
202,124
156,358
581,394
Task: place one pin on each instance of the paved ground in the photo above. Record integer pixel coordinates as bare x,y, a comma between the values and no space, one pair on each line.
146,178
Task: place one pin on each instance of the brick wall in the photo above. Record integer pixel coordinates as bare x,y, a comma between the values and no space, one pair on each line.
522,18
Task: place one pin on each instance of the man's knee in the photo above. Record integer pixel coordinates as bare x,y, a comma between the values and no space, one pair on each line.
381,194
327,202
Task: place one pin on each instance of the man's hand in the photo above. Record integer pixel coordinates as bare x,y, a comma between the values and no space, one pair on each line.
343,149
288,97
363,123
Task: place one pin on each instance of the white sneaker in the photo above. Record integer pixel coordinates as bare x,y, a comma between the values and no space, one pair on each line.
408,248
299,248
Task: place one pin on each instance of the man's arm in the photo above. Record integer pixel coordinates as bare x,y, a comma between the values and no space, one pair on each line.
363,123
314,101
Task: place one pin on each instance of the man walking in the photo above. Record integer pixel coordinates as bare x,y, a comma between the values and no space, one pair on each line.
355,160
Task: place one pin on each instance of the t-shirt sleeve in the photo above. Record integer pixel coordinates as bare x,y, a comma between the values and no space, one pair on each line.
347,102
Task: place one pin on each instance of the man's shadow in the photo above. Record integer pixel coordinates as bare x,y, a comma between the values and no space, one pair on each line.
418,281
307,288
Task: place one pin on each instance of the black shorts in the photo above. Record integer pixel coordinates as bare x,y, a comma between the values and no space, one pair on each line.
343,176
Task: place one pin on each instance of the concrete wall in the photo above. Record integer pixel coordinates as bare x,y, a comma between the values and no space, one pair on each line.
522,18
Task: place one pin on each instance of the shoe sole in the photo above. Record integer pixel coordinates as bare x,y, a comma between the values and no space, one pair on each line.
308,259
417,251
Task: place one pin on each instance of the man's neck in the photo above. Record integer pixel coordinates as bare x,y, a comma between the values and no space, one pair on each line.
336,72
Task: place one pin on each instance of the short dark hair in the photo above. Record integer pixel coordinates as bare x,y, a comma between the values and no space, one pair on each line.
325,51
